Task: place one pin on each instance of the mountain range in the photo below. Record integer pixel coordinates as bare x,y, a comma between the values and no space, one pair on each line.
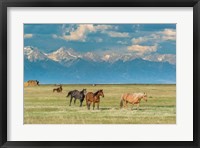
66,66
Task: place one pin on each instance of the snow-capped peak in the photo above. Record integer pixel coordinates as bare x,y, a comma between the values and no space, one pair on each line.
162,58
91,56
33,54
63,54
28,50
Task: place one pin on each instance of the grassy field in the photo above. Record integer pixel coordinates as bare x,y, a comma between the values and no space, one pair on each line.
42,106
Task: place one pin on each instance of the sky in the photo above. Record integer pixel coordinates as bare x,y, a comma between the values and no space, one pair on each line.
140,40
138,53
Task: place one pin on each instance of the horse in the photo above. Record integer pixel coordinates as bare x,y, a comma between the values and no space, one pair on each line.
132,98
94,98
77,95
32,83
59,89
37,82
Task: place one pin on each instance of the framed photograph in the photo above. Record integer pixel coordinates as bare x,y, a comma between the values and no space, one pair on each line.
103,73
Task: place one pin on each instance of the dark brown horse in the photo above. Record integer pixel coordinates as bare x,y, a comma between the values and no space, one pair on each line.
59,89
94,98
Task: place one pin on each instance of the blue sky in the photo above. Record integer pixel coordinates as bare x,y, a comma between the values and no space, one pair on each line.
136,39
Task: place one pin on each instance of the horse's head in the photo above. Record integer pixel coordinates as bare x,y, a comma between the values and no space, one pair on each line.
100,93
84,91
37,82
145,96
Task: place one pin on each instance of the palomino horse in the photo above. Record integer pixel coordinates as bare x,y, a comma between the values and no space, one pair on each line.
59,89
77,95
94,98
31,83
132,98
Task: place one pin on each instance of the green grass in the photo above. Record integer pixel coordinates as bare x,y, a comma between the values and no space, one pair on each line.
42,106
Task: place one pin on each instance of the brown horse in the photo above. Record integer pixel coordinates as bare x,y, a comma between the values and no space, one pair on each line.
132,98
59,89
94,98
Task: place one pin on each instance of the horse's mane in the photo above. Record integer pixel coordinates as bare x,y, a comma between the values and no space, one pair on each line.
139,94
82,91
96,93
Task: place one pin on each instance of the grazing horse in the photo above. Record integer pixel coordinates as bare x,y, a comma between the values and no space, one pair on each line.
132,98
94,98
59,89
77,95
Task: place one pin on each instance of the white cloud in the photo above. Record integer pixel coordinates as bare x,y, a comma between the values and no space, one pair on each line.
26,36
103,27
142,49
166,34
139,40
153,38
118,34
122,42
81,32
169,34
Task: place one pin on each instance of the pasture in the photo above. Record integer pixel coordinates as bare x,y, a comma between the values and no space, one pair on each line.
42,106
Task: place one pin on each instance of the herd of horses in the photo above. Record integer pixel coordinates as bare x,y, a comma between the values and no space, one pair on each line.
94,98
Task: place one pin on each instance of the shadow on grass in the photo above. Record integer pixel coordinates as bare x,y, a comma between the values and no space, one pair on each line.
165,106
138,109
108,108
105,108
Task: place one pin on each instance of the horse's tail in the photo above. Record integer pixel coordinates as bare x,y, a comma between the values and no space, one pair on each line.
121,101
69,93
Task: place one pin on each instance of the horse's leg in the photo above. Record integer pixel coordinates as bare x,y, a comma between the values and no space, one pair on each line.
88,104
70,100
138,105
81,101
98,105
74,101
93,105
132,106
125,104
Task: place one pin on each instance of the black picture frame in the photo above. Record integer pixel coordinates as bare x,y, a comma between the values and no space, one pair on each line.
4,4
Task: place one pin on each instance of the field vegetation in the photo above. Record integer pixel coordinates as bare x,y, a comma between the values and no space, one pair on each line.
42,106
